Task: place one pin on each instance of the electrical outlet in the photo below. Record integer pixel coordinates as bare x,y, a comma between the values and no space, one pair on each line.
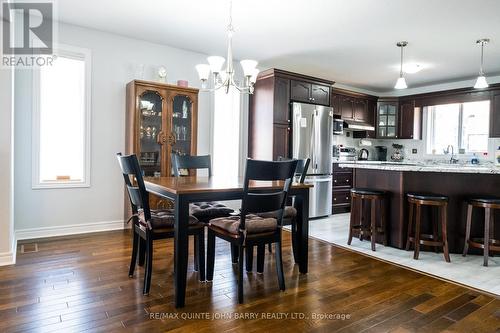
414,151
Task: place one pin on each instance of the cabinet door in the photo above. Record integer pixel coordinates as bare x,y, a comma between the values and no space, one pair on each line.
320,94
182,125
151,131
495,116
336,104
281,101
387,120
409,127
360,110
346,107
281,137
300,91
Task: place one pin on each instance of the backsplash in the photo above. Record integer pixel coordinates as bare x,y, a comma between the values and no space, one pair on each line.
347,140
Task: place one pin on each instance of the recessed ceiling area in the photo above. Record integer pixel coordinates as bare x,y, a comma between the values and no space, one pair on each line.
350,42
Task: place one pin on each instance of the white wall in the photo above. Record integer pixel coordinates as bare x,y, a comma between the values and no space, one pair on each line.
7,242
114,63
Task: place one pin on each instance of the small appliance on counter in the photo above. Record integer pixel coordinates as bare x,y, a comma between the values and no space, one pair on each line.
397,155
344,153
363,154
381,153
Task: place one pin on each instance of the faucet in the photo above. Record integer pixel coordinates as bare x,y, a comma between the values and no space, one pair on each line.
453,160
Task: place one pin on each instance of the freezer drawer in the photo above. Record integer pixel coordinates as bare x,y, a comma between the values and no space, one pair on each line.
320,196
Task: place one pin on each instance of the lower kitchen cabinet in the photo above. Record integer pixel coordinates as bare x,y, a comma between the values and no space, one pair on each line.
341,189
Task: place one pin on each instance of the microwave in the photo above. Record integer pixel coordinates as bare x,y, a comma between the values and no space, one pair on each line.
338,126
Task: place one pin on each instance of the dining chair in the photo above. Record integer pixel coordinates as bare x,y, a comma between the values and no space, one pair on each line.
248,229
289,218
150,225
207,210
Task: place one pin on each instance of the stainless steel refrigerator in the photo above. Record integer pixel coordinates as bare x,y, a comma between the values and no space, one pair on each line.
312,138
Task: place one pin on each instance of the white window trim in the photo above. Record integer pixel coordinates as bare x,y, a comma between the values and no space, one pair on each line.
75,53
427,139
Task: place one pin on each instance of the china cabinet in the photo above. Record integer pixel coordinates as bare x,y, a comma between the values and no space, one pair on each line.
161,120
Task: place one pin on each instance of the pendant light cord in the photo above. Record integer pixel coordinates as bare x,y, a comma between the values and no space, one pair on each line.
482,57
401,67
230,25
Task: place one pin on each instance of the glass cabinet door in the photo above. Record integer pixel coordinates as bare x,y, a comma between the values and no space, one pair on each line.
387,120
181,127
150,127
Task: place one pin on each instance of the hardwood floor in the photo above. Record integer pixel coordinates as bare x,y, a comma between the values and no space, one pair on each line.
80,283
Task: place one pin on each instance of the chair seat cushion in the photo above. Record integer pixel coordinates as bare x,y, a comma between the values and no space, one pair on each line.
427,196
253,224
205,211
289,213
486,200
163,218
366,191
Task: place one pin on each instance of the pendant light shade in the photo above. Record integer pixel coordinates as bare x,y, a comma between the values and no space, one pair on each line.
401,82
481,79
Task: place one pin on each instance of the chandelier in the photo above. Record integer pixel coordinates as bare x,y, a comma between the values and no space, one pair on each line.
225,79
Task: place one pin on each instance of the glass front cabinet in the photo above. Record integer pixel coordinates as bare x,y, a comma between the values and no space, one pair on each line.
161,120
387,119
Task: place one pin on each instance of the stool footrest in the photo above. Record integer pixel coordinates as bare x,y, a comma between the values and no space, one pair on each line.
426,241
479,243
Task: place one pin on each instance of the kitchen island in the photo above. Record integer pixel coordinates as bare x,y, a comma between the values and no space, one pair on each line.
458,182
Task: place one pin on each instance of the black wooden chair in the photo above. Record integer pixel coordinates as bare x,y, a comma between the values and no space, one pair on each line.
289,218
203,211
150,225
249,229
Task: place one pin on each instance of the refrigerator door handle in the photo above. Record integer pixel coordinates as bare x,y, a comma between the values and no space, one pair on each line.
313,141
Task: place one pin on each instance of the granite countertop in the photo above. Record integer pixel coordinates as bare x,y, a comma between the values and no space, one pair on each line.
421,167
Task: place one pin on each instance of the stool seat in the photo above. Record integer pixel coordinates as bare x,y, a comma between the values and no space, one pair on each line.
487,200
427,196
366,191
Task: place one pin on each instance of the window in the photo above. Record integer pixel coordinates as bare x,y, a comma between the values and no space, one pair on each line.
226,137
463,125
61,121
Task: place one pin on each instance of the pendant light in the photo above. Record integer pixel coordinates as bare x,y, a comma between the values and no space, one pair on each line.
481,79
401,82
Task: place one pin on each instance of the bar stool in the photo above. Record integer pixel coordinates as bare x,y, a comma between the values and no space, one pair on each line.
359,195
488,242
416,201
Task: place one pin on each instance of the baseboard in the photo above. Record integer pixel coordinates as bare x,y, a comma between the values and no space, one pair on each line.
9,258
65,230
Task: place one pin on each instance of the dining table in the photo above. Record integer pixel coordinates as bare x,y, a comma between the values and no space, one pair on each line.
185,190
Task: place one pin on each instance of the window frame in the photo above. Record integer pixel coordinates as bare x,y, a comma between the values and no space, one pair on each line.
72,52
429,127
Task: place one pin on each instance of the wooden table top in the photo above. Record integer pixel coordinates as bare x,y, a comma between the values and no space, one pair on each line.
199,184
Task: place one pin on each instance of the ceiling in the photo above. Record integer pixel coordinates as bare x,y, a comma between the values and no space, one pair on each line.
351,42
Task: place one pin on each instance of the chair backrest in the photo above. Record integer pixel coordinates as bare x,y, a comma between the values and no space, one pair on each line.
134,182
302,167
258,201
191,162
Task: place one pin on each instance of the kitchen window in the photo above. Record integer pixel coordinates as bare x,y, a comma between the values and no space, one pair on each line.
61,121
463,125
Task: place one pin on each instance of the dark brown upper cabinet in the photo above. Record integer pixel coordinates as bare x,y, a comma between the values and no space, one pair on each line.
410,120
387,119
270,127
361,110
320,94
346,107
495,115
302,91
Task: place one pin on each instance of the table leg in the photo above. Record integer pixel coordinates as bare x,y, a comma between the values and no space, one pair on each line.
180,250
302,230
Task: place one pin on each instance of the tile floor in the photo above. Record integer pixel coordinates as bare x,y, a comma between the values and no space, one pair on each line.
467,271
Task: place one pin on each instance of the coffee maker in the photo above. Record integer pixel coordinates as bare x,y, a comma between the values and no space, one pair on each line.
381,153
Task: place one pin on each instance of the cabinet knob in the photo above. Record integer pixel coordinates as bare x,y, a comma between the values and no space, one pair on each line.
347,198
347,180
335,180
334,199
